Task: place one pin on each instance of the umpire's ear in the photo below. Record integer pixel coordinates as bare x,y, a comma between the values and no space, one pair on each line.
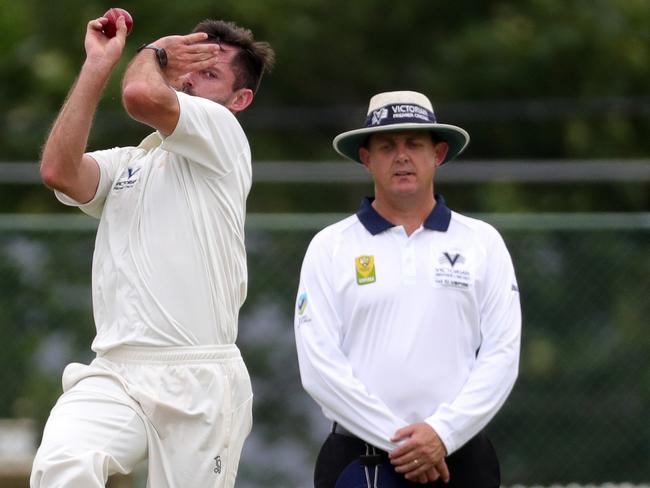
364,156
440,149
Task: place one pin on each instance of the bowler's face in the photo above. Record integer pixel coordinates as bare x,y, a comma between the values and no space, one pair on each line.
216,83
402,163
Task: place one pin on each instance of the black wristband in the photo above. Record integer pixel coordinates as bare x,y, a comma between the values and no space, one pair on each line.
161,54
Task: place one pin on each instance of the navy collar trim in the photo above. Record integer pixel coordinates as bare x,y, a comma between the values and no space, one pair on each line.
374,223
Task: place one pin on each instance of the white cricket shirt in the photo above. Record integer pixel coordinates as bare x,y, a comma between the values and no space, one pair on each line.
394,329
169,267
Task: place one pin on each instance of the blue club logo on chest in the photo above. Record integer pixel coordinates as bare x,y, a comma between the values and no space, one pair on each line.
451,258
128,178
451,270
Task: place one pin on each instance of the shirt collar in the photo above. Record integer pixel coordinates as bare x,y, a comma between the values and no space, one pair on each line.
438,219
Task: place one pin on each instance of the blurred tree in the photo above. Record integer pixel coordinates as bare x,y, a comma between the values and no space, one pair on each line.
534,78
45,316
528,79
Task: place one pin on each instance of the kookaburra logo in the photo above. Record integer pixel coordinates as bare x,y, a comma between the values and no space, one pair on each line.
217,467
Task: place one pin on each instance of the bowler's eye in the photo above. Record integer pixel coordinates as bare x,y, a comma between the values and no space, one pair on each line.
210,74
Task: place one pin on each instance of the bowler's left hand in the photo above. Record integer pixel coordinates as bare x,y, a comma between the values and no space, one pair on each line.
188,53
421,453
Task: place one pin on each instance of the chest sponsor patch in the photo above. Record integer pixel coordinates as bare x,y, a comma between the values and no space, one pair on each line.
451,270
365,267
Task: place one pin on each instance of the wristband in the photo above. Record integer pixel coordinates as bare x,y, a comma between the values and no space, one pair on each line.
161,54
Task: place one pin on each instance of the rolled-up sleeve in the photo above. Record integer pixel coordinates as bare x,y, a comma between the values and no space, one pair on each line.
208,134
110,162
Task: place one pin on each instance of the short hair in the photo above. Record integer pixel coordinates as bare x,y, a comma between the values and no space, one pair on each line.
254,57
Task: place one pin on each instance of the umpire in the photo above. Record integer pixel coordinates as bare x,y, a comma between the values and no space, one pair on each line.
408,319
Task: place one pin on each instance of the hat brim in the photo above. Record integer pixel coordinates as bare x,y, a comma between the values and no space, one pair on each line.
348,143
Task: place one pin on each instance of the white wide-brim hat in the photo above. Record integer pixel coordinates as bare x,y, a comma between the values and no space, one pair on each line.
398,111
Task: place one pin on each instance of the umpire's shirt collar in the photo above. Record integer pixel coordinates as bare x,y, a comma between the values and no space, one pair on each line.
438,219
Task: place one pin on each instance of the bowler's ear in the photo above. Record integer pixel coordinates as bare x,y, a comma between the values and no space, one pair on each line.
440,150
241,99
364,156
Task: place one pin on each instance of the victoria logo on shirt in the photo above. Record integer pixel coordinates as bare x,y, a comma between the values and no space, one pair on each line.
451,271
365,266
451,258
128,178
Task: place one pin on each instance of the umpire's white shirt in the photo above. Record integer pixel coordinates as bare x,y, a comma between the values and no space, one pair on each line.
394,329
169,267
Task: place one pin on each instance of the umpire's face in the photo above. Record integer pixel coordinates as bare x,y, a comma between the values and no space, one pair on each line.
402,163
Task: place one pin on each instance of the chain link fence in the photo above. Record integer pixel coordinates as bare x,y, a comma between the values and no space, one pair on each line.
578,413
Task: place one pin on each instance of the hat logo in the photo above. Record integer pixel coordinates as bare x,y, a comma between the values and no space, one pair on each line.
399,111
379,115
412,112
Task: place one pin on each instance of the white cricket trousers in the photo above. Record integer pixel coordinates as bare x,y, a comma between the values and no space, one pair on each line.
185,410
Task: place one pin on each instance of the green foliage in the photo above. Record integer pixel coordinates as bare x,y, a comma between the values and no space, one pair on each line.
580,57
584,359
41,299
528,79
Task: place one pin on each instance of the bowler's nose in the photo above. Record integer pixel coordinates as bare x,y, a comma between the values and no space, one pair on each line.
187,81
185,84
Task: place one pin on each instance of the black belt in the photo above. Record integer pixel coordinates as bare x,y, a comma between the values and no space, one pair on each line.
373,455
339,429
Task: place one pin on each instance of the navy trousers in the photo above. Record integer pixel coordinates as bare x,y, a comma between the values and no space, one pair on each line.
475,465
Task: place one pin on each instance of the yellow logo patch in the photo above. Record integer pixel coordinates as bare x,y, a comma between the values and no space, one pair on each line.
365,269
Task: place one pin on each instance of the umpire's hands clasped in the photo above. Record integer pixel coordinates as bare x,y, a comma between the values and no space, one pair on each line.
421,454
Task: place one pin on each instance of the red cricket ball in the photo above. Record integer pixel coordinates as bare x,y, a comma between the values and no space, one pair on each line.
110,29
